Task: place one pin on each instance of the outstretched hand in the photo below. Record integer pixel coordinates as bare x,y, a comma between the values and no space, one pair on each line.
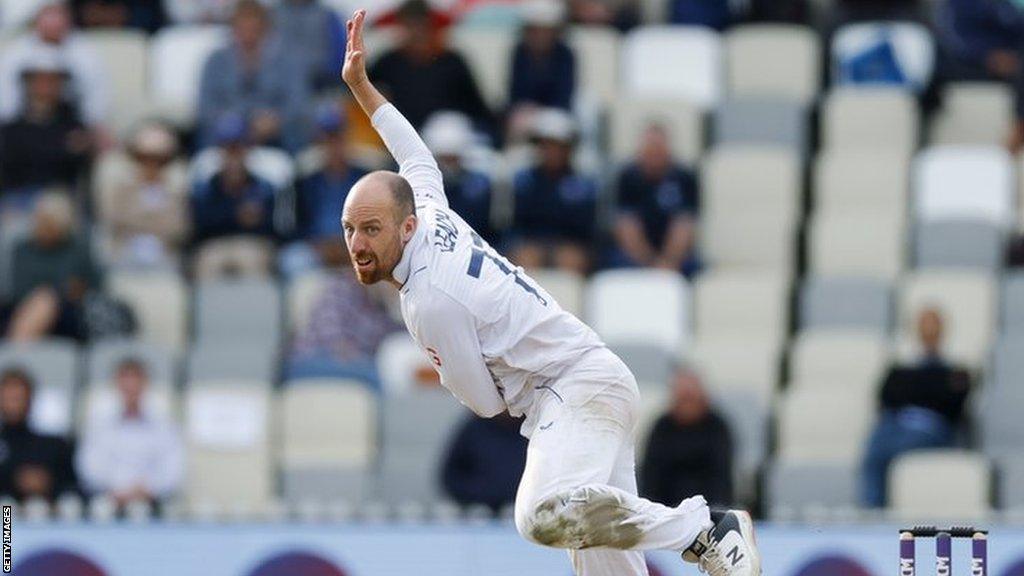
354,70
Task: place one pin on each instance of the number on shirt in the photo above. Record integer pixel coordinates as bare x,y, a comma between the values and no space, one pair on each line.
476,263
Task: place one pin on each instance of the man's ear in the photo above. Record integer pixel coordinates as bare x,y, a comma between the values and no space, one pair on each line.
409,227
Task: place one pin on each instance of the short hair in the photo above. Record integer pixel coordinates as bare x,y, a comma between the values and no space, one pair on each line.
18,376
251,8
402,194
132,363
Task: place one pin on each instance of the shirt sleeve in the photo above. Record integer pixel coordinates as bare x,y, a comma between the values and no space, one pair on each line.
447,331
416,163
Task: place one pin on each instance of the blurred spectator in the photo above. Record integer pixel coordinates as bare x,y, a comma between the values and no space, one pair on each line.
145,15
45,142
143,199
259,79
797,11
690,449
52,273
485,462
346,325
715,14
849,11
233,210
313,34
133,455
32,465
543,66
657,205
199,11
555,207
52,32
622,14
321,195
922,406
984,40
449,135
422,76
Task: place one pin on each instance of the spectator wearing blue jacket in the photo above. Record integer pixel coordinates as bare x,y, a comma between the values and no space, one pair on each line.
711,13
555,207
543,65
485,462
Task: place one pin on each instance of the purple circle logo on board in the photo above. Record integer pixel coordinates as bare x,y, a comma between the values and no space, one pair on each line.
50,562
296,564
833,566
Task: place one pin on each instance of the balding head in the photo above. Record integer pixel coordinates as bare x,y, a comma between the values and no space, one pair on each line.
378,220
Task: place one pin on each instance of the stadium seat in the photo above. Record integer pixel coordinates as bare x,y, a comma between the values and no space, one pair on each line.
748,240
241,312
1013,303
841,244
124,55
1007,361
823,425
960,243
228,430
912,45
940,484
399,360
178,55
565,287
417,428
759,179
979,113
104,358
53,365
861,180
214,360
796,485
845,359
942,173
773,61
741,304
1010,493
846,302
682,62
728,364
998,416
652,365
747,418
488,51
640,306
597,61
630,116
328,440
870,119
762,121
301,294
159,301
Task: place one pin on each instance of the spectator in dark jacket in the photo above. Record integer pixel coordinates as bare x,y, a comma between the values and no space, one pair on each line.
485,462
555,206
922,406
711,13
543,65
32,465
147,15
622,14
690,449
422,76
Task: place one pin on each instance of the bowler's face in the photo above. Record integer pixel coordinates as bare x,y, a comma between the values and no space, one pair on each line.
372,234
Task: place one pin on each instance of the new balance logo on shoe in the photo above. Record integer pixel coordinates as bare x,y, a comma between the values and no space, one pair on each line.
734,555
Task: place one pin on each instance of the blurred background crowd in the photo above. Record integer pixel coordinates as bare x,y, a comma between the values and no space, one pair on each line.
797,220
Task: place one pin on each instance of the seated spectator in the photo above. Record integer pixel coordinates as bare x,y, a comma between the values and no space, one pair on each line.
321,196
622,14
715,14
233,211
52,273
657,205
258,79
485,461
133,456
312,34
45,143
690,449
981,40
449,135
147,15
199,11
543,66
52,32
555,210
422,76
922,405
851,11
143,200
32,465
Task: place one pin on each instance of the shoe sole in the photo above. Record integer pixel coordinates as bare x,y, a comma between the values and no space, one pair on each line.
747,531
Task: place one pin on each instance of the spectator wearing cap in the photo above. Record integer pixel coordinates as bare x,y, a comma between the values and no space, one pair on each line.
45,143
143,199
232,210
88,85
449,135
543,65
133,454
52,272
321,197
314,35
655,223
422,76
257,78
555,207
32,465
147,15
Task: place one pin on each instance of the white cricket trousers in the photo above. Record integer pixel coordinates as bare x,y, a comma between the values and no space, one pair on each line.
579,491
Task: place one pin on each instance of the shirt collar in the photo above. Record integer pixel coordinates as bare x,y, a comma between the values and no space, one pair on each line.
409,254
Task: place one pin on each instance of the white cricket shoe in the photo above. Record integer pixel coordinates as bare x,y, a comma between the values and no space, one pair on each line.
728,548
